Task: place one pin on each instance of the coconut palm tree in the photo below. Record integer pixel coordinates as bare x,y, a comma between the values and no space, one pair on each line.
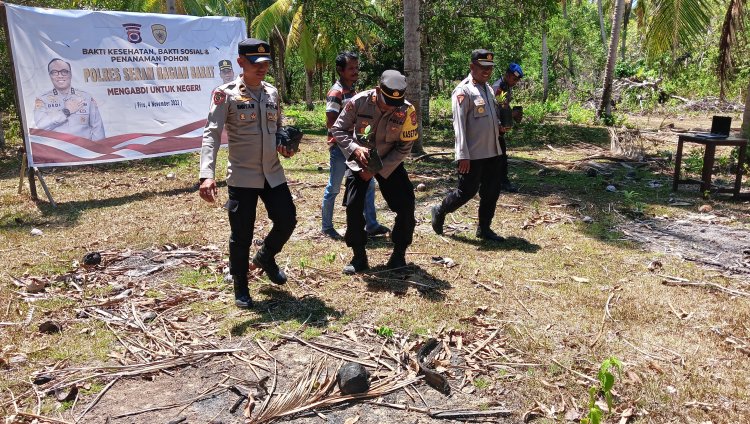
605,108
412,57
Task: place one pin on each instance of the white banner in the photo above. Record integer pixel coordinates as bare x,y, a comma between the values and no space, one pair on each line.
110,86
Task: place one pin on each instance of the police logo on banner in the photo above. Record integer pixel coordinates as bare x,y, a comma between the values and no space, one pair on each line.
133,32
160,32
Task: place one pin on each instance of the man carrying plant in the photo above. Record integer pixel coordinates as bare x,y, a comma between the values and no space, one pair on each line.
477,130
347,66
504,92
375,132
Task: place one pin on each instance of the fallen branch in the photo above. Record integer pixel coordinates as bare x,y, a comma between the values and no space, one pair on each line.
427,155
451,414
712,286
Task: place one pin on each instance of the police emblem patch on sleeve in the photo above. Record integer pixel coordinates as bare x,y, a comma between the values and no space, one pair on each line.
219,97
349,106
413,118
460,98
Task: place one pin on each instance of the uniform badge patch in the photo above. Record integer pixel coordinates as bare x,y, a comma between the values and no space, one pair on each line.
253,116
271,116
349,106
413,118
83,119
480,109
460,98
38,104
479,102
399,114
242,116
219,97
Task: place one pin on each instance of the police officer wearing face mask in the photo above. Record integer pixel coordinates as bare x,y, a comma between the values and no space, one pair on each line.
477,128
249,109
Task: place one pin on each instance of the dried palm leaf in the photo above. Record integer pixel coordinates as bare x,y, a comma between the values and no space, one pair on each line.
317,389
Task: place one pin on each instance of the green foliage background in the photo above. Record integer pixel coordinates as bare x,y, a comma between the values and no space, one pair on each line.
451,29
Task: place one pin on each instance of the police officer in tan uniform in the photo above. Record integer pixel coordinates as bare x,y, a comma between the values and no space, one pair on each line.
249,109
393,125
476,126
66,109
226,71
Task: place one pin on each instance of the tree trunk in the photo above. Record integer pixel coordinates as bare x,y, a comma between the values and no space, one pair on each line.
277,45
412,66
601,23
746,115
2,131
545,58
309,89
568,45
425,90
606,108
625,22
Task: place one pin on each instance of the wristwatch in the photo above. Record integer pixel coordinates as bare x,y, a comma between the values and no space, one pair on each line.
66,112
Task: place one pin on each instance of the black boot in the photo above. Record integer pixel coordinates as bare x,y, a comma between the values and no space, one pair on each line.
397,259
437,219
486,233
267,263
358,262
241,292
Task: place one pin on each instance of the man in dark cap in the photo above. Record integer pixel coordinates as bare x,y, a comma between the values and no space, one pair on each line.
378,126
342,91
503,88
476,127
250,110
226,71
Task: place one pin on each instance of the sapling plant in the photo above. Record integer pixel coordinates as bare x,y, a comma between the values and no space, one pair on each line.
606,383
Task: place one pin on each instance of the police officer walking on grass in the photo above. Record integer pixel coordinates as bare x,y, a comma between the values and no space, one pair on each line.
249,108
503,88
477,128
392,122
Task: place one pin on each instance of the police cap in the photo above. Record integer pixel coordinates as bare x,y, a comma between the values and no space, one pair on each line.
393,87
483,57
225,65
256,51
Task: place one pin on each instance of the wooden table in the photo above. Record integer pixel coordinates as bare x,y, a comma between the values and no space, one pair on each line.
708,162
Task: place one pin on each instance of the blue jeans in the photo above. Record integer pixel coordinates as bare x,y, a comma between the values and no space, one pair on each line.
338,167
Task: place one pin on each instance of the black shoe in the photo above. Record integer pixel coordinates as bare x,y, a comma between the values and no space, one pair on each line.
509,187
397,260
357,264
332,234
437,220
268,264
242,297
488,234
379,231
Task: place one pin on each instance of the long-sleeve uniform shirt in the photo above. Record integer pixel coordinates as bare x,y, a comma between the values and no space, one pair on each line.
83,122
394,132
475,120
251,125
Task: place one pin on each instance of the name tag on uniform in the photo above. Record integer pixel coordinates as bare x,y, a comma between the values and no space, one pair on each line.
479,102
246,106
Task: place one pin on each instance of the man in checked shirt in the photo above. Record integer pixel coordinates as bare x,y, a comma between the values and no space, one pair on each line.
347,66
